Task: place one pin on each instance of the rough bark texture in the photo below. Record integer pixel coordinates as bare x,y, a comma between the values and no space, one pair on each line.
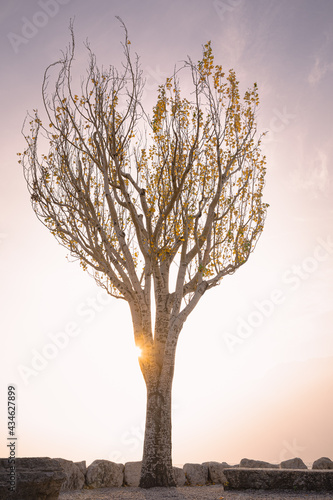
157,461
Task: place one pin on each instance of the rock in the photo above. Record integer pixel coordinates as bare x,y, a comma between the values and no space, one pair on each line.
215,472
279,479
256,464
104,474
227,466
75,479
323,463
36,478
180,477
82,466
132,474
196,474
293,463
208,463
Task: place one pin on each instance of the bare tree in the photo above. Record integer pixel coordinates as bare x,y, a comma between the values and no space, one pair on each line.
157,208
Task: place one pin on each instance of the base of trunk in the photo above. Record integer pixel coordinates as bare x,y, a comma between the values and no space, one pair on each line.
160,477
157,457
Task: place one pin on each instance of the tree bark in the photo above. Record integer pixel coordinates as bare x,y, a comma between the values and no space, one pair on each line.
157,451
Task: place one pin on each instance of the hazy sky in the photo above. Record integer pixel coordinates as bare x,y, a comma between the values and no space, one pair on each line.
254,367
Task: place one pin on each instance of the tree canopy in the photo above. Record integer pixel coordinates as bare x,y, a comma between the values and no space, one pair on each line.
168,202
127,194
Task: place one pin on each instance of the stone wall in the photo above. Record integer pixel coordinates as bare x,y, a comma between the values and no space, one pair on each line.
37,477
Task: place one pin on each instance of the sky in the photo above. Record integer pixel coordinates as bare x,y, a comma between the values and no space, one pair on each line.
254,365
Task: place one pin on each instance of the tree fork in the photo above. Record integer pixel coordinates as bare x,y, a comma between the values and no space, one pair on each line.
186,209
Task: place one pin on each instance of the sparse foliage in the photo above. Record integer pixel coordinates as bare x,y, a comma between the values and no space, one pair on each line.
168,200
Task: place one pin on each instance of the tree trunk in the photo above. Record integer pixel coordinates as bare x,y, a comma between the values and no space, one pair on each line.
157,460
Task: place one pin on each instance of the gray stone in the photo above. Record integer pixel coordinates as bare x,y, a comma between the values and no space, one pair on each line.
279,479
215,472
75,479
323,463
36,478
82,466
132,474
293,463
180,477
256,464
104,474
196,474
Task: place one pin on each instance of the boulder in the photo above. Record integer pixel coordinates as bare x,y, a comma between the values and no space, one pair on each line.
293,463
196,474
215,472
132,474
180,477
36,478
75,479
323,463
82,466
227,466
104,474
279,479
256,464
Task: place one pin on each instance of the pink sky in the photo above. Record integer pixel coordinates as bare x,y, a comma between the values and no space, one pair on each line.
254,369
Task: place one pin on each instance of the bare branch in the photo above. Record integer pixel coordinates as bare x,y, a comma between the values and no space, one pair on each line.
179,206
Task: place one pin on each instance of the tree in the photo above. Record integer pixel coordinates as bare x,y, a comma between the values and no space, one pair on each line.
158,208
